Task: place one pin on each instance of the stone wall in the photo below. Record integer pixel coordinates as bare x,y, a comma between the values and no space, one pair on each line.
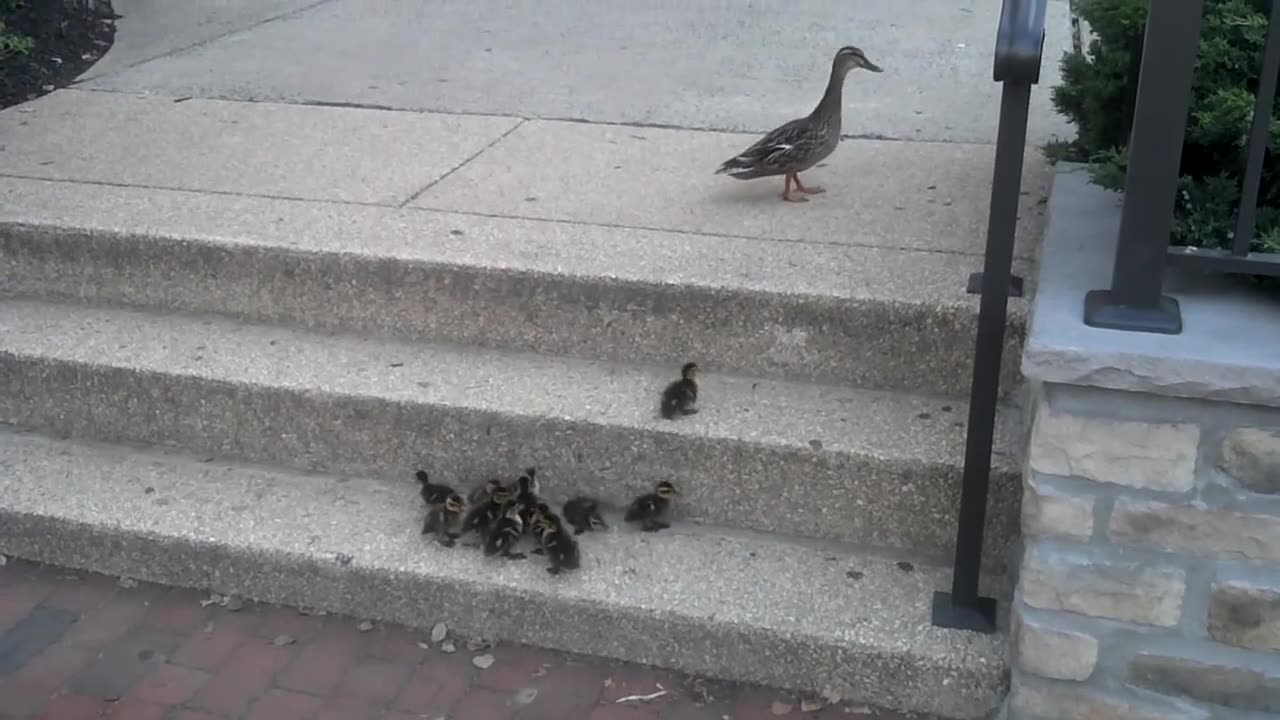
1150,585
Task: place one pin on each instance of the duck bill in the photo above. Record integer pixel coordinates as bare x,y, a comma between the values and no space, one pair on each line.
872,66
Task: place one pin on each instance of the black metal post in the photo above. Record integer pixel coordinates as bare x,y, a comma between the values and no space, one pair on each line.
963,608
1135,301
1259,137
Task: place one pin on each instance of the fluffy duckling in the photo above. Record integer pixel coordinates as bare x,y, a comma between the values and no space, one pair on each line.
480,494
449,519
558,545
506,533
652,509
486,513
680,396
435,496
583,513
526,493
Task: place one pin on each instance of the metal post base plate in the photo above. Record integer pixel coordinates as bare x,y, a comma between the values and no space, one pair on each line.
981,617
975,285
1101,311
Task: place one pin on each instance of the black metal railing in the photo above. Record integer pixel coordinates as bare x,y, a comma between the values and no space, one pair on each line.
1135,301
1019,47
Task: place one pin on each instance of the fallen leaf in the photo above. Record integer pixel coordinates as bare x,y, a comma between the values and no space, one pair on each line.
608,682
365,626
424,645
439,632
312,612
484,662
282,640
208,627
3,561
524,696
831,696
540,672
127,583
780,708
447,646
810,705
477,644
858,710
234,603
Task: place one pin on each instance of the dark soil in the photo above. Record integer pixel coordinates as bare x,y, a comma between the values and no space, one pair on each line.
69,37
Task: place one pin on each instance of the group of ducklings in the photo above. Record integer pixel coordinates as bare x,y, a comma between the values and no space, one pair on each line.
501,514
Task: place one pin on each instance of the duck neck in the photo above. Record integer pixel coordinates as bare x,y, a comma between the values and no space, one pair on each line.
831,100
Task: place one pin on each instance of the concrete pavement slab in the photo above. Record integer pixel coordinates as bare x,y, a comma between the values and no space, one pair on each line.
152,28
724,65
345,154
925,196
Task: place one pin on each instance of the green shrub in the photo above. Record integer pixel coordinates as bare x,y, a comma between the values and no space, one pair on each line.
1228,64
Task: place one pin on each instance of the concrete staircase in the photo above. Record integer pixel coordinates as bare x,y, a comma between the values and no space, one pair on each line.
232,390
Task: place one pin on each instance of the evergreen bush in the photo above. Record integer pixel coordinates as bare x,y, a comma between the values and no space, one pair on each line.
1094,90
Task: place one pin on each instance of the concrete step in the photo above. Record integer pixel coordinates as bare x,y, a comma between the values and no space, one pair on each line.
881,469
867,316
690,598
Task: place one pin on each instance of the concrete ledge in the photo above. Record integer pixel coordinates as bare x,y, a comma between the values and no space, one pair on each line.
1229,349
882,469
825,312
687,598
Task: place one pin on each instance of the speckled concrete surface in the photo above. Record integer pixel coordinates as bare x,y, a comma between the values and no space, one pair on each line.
875,468
688,598
810,311
324,153
924,196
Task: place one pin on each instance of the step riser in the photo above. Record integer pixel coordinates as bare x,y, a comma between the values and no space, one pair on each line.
816,493
863,343
700,646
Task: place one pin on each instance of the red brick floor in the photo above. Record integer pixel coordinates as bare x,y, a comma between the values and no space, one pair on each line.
78,646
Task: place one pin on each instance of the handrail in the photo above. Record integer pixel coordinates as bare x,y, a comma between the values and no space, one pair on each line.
1019,46
1020,41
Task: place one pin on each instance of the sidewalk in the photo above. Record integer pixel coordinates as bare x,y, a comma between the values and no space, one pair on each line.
80,646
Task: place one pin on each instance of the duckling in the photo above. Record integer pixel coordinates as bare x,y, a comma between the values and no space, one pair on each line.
449,524
483,515
559,546
507,533
798,145
526,493
680,396
481,493
583,513
541,517
650,509
435,496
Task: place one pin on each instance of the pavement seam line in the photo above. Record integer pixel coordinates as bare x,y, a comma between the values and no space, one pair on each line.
462,164
494,216
202,43
636,124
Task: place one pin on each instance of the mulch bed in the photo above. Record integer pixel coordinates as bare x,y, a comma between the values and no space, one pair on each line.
69,37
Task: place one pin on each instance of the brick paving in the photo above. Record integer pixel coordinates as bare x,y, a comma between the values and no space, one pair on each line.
81,646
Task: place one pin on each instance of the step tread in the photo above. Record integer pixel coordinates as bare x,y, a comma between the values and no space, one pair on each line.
685,577
504,244
769,412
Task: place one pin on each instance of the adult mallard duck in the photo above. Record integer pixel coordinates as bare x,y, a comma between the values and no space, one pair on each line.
804,142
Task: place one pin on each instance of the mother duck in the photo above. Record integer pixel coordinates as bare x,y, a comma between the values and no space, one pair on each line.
804,142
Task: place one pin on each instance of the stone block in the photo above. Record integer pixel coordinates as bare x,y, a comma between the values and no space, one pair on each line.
1070,701
1252,457
1245,615
1194,529
1047,510
1155,456
1047,651
1234,686
1118,590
